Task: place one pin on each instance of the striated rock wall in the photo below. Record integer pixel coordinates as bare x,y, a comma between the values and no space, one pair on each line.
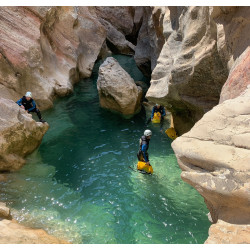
46,50
201,45
150,38
215,154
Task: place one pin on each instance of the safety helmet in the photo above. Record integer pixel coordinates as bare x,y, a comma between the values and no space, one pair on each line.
28,94
147,132
157,104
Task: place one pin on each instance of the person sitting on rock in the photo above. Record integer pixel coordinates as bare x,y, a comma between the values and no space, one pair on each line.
157,109
28,104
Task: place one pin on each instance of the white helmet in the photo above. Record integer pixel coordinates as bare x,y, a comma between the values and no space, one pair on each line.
28,94
147,132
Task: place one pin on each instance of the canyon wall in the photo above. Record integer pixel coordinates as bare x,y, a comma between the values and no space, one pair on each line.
200,48
197,57
214,155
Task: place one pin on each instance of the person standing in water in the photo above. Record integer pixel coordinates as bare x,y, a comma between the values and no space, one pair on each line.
28,104
144,145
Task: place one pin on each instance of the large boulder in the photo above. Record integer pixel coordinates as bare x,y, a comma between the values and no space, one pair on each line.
201,46
13,233
19,135
117,90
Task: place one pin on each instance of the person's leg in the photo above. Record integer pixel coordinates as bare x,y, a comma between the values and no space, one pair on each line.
37,111
148,121
140,156
161,123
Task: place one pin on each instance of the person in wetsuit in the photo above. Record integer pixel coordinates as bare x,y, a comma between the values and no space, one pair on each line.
144,145
161,110
28,104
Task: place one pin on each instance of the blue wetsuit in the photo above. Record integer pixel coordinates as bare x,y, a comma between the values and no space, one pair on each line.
161,110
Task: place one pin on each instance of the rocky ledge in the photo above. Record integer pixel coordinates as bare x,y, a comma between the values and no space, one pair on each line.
13,233
214,157
19,135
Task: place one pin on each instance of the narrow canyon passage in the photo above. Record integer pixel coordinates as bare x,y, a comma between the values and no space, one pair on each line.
78,184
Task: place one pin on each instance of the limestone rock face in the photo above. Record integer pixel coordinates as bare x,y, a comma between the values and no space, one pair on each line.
214,156
201,45
238,79
150,38
117,90
119,23
46,49
226,233
19,135
14,233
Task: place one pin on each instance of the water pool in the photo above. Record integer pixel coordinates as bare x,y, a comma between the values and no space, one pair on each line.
78,184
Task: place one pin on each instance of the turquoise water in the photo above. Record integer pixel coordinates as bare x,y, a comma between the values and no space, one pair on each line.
78,185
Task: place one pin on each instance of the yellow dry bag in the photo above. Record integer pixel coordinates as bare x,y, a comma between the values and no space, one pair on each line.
171,133
157,117
141,165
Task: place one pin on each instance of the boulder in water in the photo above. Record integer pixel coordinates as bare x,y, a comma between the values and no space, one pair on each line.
117,90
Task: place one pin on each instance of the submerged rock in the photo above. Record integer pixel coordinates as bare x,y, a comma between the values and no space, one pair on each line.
4,211
117,90
19,135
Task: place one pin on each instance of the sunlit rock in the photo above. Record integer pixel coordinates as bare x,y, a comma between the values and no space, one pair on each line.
4,211
46,50
215,156
117,90
19,135
226,233
201,46
14,233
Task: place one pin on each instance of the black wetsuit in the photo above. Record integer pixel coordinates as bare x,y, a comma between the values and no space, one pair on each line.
142,155
30,106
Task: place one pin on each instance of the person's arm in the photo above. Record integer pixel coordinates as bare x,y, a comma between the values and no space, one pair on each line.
33,106
144,151
152,114
163,111
19,102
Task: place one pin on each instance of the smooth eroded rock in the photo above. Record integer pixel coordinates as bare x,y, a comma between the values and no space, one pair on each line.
214,156
13,233
117,90
19,135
